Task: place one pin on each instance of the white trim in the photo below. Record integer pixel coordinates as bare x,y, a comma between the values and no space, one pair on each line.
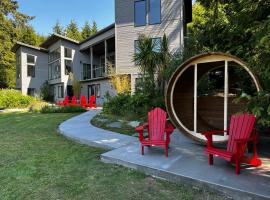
226,91
195,96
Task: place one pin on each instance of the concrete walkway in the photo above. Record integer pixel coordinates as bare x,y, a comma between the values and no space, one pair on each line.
79,128
186,162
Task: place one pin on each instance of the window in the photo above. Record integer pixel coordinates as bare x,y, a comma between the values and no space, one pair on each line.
18,66
136,49
30,59
86,71
60,91
94,90
31,91
140,13
68,53
68,66
154,11
54,55
157,44
55,70
31,70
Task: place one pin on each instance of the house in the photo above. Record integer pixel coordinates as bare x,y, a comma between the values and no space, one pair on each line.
112,46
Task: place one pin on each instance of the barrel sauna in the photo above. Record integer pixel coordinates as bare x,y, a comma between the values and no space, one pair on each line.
201,93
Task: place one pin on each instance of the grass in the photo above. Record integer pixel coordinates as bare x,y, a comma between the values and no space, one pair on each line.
103,120
38,163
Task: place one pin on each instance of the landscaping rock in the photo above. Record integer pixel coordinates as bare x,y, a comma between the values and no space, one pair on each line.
134,123
114,125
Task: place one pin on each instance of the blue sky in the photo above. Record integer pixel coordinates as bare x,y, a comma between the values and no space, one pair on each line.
47,12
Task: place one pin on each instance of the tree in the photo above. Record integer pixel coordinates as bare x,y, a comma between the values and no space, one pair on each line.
94,29
27,34
86,30
57,28
72,31
11,20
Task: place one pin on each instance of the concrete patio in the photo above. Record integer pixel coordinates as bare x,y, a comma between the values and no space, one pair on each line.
186,162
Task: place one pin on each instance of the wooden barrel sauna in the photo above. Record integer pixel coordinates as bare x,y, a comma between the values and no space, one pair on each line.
200,94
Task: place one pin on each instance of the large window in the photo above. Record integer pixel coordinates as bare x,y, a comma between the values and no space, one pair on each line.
86,71
54,55
94,90
31,61
154,11
140,13
55,70
60,91
54,64
68,53
68,67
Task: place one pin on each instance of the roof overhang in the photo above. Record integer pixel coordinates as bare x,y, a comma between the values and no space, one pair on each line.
54,38
18,44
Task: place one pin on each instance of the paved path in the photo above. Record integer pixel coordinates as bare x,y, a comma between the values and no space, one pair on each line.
79,128
186,161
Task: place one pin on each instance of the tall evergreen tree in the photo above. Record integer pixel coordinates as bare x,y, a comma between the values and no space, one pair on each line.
94,28
10,19
86,30
72,31
57,28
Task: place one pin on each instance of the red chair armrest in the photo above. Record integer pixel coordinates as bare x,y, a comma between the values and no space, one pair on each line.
140,129
169,128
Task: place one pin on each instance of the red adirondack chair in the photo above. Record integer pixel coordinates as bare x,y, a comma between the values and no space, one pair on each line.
83,101
241,131
92,102
64,102
74,101
159,130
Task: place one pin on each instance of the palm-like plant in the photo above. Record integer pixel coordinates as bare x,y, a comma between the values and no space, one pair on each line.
147,59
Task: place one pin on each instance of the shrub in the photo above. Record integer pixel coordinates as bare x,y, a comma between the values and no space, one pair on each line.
37,106
45,93
62,109
14,99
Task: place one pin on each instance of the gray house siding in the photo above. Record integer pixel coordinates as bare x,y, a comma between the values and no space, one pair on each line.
41,70
126,33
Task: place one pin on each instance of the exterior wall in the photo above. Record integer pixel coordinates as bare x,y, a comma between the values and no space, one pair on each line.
41,70
127,33
105,86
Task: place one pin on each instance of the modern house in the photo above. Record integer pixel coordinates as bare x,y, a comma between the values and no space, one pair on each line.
112,46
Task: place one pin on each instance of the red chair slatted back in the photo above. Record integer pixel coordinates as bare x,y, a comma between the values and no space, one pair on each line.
74,100
92,101
156,124
83,101
241,127
66,100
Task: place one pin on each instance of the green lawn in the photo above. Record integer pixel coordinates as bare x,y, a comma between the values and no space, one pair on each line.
38,163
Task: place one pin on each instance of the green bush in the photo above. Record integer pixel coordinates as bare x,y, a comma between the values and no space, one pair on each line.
62,109
37,106
14,99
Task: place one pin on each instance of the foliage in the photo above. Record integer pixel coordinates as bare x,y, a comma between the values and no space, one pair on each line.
76,85
62,109
242,28
14,99
94,29
259,105
45,92
72,31
58,29
36,106
120,82
86,30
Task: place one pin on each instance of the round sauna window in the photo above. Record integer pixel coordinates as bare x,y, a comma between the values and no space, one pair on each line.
201,92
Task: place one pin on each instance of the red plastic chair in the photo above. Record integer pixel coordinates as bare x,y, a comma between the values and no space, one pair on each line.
241,131
159,130
92,102
74,101
83,101
64,102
